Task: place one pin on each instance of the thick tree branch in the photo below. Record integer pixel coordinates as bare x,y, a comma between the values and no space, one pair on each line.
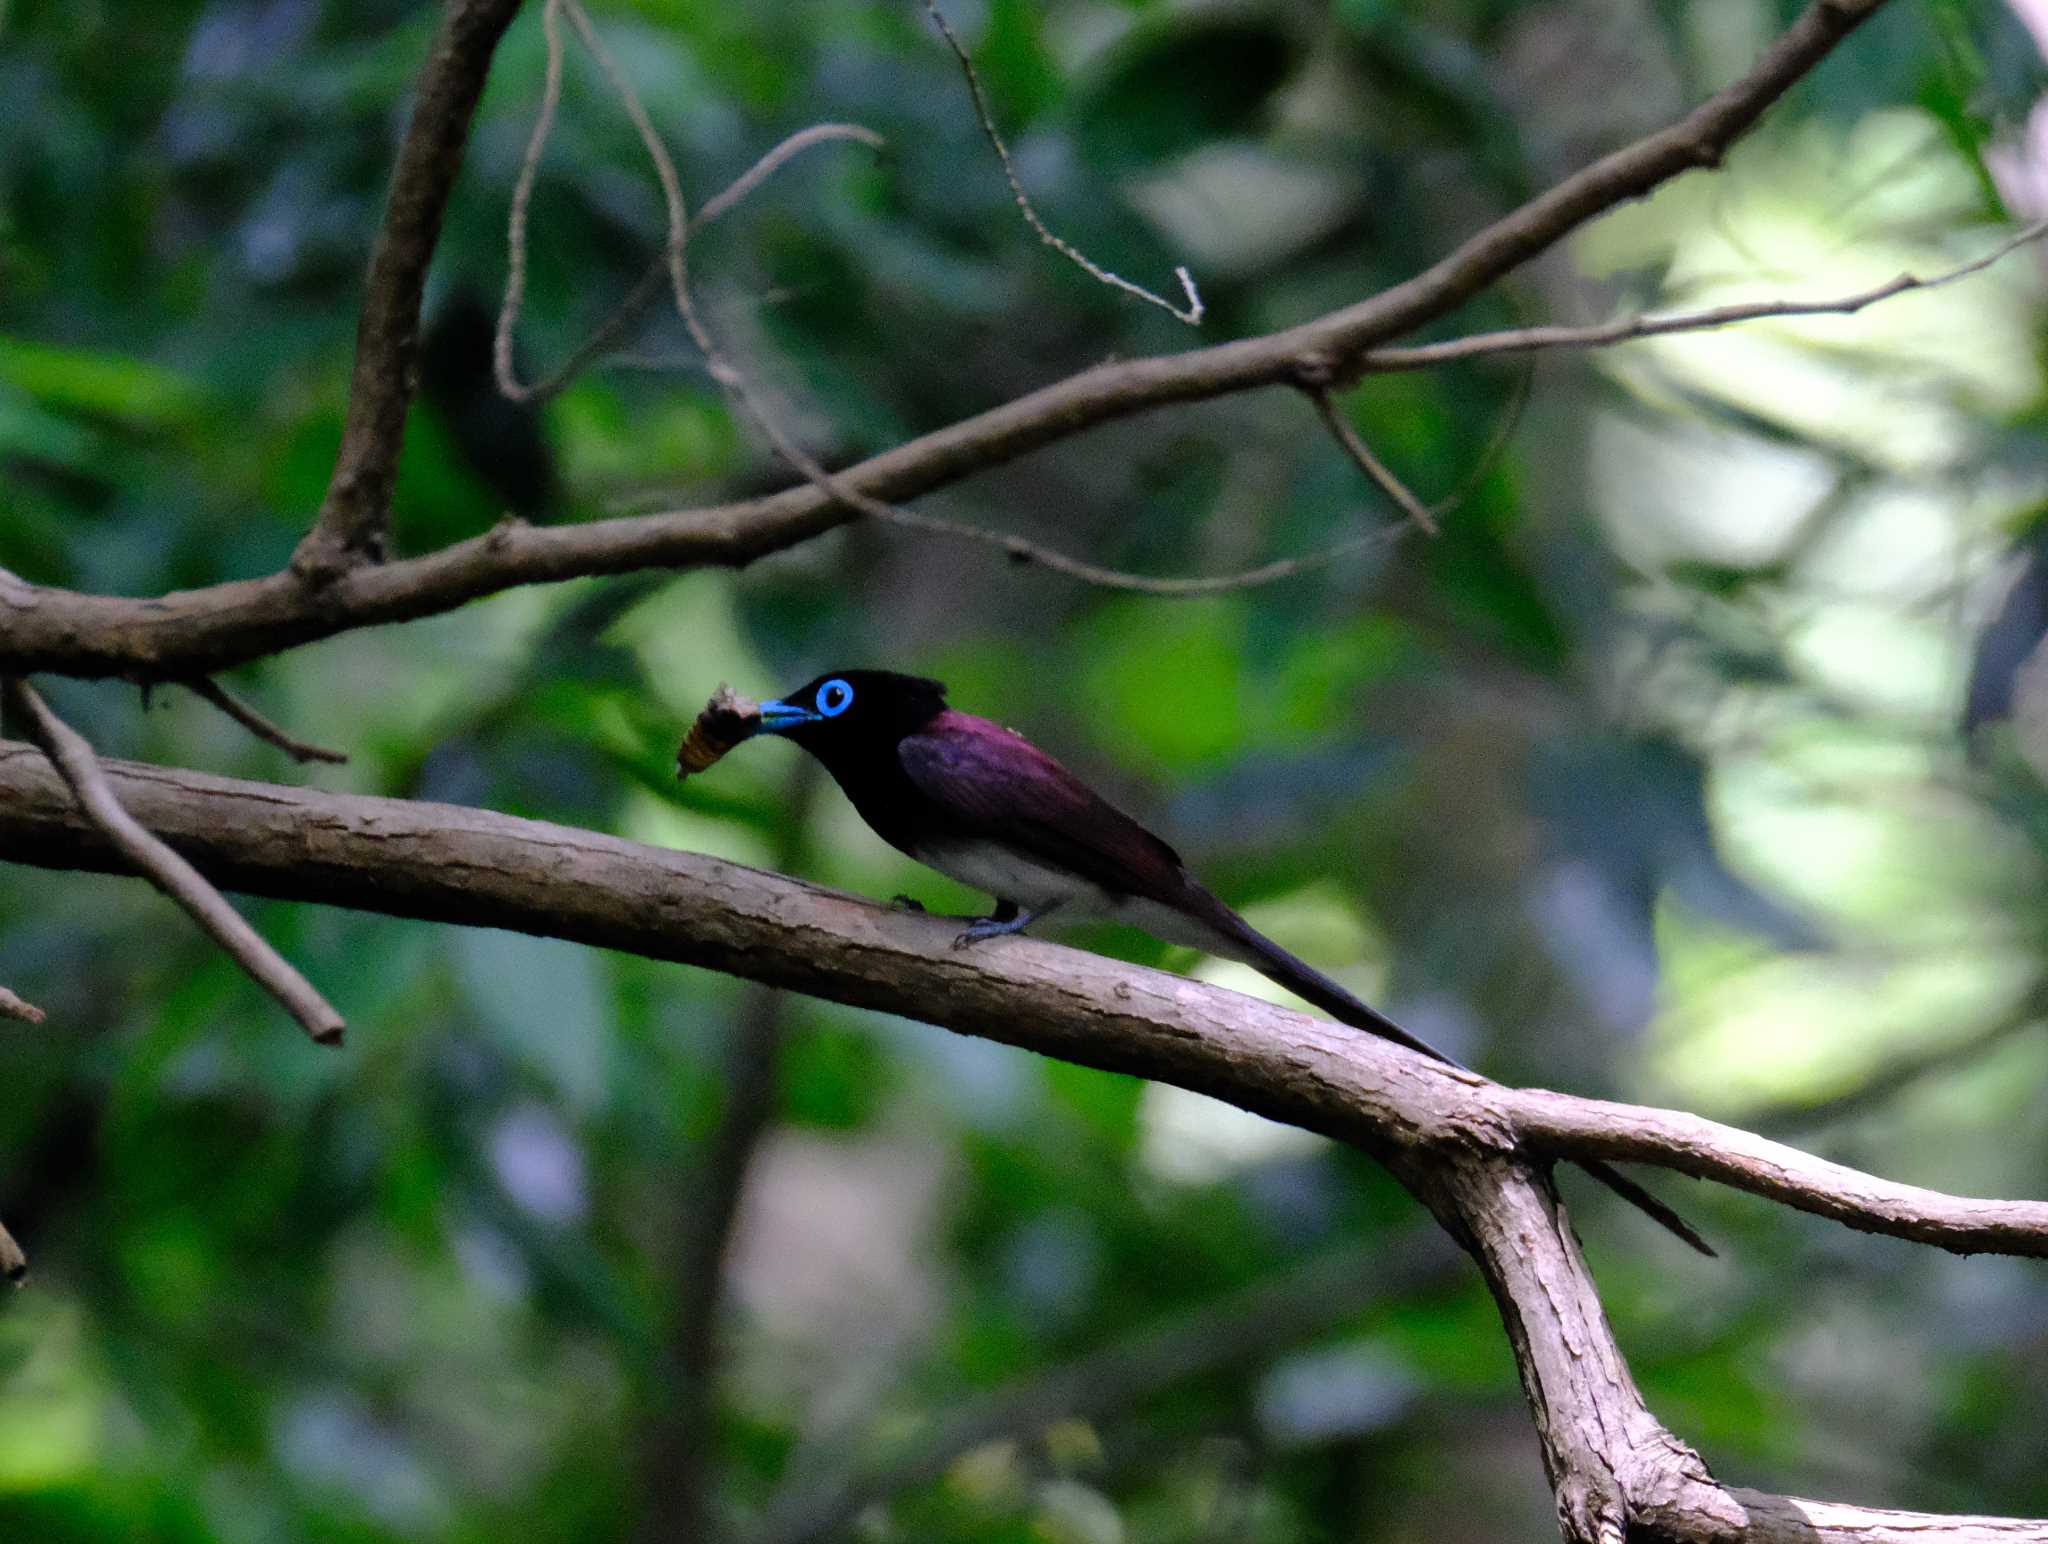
95,803
201,631
443,863
1617,1472
350,527
1469,1148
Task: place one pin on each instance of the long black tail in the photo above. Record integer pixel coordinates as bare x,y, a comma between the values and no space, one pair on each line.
1311,985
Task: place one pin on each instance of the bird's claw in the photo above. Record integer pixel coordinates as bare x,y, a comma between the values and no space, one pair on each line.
991,927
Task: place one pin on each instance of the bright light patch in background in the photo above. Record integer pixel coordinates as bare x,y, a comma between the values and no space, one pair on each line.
1824,787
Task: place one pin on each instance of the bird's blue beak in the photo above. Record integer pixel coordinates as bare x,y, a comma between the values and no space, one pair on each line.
778,717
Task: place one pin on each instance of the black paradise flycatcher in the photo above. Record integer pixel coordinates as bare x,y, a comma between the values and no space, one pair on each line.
983,805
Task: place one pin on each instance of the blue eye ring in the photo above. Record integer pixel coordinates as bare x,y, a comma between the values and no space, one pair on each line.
834,697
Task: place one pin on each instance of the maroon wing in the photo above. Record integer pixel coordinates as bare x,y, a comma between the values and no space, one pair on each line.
988,783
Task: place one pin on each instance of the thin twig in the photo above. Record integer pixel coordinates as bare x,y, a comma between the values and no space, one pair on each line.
1519,340
1292,1307
1191,313
1019,550
649,284
522,198
720,204
14,1006
13,1263
75,761
301,751
676,257
1361,453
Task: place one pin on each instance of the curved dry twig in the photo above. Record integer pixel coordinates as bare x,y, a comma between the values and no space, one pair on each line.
503,366
608,332
74,760
1019,550
1191,313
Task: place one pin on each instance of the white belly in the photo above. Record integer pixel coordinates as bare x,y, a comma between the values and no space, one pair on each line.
1008,876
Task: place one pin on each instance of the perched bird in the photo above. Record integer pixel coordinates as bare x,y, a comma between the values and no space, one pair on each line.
983,805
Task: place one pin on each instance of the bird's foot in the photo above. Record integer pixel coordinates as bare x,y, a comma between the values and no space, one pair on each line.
1006,919
909,903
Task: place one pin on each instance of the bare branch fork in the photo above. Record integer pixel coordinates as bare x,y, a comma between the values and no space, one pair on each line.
1476,1153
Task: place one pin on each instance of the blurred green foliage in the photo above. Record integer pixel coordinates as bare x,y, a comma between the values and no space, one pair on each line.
1644,779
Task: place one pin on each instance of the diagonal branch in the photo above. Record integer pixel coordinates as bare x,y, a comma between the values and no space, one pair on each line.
94,800
201,631
1361,454
1691,1144
350,528
13,1263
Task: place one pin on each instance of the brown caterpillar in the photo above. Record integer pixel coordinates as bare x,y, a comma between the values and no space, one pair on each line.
727,719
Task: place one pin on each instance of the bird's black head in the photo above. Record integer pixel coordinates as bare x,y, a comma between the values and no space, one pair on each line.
847,711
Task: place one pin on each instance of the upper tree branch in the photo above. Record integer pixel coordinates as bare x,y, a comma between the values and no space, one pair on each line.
200,631
350,527
1471,1150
